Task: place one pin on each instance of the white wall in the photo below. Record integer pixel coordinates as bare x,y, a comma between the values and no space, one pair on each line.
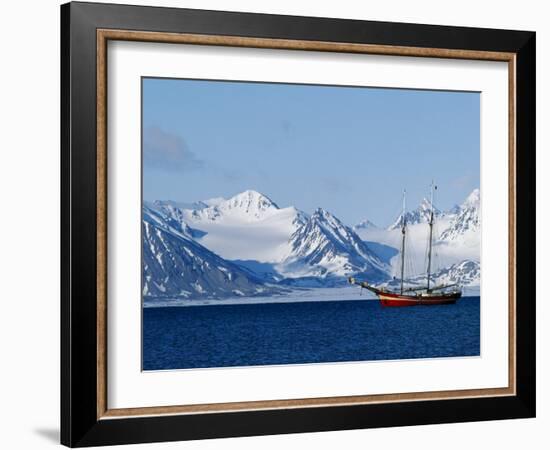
29,245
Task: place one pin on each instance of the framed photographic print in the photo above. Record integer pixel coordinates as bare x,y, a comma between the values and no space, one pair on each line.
277,224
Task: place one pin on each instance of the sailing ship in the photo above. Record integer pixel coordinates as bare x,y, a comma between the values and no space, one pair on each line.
430,294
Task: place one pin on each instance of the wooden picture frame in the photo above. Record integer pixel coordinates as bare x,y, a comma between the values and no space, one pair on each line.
86,418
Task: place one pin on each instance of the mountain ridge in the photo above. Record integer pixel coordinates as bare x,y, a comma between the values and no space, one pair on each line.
467,219
266,245
325,245
175,265
419,215
248,205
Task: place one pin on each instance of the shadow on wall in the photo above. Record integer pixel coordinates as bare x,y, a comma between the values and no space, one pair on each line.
49,434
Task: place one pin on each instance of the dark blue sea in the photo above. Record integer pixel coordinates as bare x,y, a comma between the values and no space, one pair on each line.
307,332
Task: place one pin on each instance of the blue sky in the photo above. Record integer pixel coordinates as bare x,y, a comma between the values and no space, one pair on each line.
350,150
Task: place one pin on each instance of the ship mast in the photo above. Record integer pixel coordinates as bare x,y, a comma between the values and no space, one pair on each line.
403,232
431,223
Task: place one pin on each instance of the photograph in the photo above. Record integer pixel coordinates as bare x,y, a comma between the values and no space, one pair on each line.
287,223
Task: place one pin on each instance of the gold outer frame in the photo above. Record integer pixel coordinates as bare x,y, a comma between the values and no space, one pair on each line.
103,36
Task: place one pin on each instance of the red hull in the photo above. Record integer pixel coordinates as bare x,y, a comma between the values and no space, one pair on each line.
391,299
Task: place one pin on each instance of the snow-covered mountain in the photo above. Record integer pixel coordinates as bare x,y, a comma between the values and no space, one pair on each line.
365,225
456,234
168,204
466,273
166,215
213,201
250,237
466,221
248,206
324,246
247,226
453,211
418,215
176,266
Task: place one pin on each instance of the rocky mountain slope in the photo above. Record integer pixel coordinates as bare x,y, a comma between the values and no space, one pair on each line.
325,246
175,265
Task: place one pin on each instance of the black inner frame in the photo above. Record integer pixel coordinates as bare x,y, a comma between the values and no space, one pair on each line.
79,423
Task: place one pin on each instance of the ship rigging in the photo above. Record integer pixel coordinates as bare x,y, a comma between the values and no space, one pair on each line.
430,294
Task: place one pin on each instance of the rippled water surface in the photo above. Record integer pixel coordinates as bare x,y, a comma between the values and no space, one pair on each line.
306,332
